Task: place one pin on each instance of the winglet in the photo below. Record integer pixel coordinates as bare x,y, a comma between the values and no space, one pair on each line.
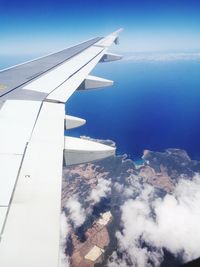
117,32
111,38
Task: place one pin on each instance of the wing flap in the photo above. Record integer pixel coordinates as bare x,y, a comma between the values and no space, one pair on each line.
33,219
17,119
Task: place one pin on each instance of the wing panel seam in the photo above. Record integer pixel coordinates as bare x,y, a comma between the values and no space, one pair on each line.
76,72
15,185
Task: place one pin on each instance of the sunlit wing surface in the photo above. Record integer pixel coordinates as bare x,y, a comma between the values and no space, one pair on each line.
32,146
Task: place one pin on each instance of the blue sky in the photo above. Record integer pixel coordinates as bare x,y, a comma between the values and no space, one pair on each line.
38,27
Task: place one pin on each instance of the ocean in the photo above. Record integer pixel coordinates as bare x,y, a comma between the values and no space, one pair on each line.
153,105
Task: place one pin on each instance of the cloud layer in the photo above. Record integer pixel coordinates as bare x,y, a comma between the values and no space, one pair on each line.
164,57
171,223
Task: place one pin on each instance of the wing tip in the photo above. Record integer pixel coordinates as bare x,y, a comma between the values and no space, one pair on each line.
117,32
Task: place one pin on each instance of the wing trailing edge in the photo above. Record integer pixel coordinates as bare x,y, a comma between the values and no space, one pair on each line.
78,150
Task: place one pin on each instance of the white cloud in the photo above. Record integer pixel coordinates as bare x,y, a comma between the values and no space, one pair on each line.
163,57
76,213
118,187
101,190
174,225
64,232
178,218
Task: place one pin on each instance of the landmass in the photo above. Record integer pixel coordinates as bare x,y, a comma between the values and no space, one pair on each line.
92,243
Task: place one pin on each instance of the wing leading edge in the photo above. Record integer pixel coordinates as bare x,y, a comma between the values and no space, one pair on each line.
32,145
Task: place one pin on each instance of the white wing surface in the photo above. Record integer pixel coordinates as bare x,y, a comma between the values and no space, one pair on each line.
32,146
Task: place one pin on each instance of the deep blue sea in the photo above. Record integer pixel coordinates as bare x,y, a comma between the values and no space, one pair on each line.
153,105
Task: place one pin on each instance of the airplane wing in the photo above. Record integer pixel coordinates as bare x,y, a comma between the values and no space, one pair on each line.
33,145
